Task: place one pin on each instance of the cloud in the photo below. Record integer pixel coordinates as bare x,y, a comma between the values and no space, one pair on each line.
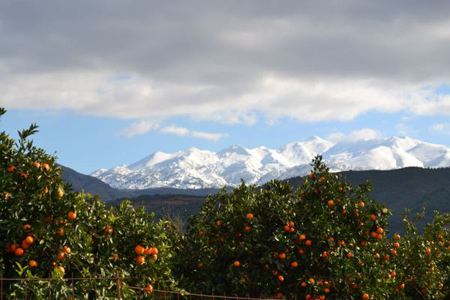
225,61
182,131
139,128
443,128
364,134
208,136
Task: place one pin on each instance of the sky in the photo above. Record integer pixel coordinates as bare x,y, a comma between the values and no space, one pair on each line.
110,82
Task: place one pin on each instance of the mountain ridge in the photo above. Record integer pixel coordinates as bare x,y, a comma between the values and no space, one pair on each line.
195,168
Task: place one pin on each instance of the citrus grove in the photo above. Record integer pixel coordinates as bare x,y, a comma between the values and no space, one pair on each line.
325,240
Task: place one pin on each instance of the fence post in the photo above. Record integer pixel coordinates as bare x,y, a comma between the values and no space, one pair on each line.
1,288
118,286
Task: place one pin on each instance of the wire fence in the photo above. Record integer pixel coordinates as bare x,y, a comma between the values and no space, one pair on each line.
119,286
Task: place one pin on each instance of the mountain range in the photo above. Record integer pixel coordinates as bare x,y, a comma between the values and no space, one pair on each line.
197,169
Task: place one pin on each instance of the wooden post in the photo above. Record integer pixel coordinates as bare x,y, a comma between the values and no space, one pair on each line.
118,286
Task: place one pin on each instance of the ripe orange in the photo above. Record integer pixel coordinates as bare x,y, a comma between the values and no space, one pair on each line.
361,204
249,216
349,255
330,203
380,230
153,251
393,252
37,165
286,228
11,169
325,254
67,250
247,228
401,286
280,278
18,252
294,264
386,257
219,223
308,297
61,256
311,280
302,237
24,245
304,284
72,215
61,270
308,243
29,240
428,251
27,227
365,296
301,251
148,288
140,259
397,236
291,224
396,245
139,249
393,274
236,263
60,231
32,263
377,256
282,256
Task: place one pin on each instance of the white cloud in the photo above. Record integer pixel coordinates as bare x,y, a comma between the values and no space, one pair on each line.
139,128
364,134
182,131
208,136
443,128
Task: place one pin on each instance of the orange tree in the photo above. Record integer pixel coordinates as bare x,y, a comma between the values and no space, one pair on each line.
47,230
318,242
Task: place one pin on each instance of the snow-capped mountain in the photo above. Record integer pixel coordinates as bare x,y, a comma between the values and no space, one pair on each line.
195,168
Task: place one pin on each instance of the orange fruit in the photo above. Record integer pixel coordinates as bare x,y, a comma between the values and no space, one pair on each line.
18,252
72,215
148,288
294,264
386,257
280,278
380,230
140,259
301,251
377,256
219,223
247,228
308,243
325,254
393,274
326,290
349,255
304,284
396,245
397,237
67,250
292,230
27,227
139,249
428,251
330,203
29,240
365,296
302,237
286,228
282,256
60,231
361,204
24,245
236,263
373,217
153,251
61,270
11,169
291,224
249,216
311,280
46,166
32,263
61,256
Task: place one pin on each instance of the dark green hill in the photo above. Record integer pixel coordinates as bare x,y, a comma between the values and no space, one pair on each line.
410,188
399,189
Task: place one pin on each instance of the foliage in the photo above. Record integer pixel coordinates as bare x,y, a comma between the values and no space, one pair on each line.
325,240
48,231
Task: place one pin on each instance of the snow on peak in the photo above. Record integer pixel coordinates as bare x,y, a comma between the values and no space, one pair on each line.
196,168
